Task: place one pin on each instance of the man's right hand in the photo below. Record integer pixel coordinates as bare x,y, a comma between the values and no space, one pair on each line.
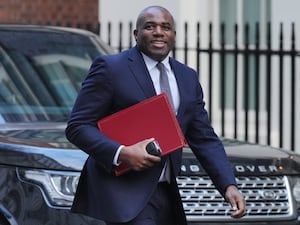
136,157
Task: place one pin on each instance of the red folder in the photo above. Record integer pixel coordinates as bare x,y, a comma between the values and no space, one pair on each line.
151,118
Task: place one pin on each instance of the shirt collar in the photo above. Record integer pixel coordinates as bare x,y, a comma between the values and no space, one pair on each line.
150,63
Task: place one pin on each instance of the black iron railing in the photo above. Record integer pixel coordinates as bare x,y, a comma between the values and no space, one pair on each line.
254,79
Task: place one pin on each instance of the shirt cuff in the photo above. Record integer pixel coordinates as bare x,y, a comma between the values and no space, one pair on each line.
116,157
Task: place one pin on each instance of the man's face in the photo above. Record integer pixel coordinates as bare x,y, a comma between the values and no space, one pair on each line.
155,33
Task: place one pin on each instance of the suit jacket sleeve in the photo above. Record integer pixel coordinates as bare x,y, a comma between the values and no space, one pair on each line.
205,144
93,103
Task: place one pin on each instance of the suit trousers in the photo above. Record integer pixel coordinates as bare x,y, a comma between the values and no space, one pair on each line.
160,209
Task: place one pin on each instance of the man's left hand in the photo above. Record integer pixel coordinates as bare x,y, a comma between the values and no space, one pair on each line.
236,200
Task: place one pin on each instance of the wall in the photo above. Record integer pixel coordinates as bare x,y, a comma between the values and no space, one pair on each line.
62,12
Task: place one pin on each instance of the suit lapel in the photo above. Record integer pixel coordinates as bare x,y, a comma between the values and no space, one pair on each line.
180,83
139,70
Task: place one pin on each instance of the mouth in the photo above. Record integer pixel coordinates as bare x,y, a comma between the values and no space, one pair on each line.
158,43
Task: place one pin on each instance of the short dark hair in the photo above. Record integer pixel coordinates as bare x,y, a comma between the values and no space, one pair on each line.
144,11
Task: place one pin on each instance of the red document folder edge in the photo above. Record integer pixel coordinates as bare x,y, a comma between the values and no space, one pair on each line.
151,118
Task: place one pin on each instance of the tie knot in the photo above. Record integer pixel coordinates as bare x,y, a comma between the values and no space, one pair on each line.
160,66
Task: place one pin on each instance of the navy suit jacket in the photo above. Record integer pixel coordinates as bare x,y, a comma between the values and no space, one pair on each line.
115,82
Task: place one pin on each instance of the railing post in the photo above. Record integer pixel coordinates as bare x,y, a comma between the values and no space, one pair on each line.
186,43
130,34
109,33
293,86
120,37
268,83
280,54
210,53
235,97
257,81
198,49
246,80
223,78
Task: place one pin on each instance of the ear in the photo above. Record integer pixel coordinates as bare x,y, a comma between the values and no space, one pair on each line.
135,33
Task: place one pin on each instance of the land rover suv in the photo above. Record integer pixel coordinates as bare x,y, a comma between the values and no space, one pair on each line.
41,69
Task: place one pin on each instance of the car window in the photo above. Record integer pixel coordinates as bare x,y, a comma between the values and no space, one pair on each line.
41,73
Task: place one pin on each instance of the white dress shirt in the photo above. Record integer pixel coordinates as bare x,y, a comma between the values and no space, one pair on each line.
154,73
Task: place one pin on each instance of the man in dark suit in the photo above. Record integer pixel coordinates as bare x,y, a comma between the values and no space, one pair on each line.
148,194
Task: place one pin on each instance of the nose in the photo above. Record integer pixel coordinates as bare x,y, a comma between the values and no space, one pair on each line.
158,30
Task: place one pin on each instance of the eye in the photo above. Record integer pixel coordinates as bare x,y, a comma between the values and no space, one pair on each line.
149,27
166,27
